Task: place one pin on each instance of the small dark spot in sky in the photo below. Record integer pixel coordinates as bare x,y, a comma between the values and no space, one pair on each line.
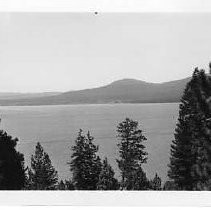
96,13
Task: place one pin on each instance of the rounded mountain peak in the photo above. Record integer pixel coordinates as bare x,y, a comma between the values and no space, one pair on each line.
128,82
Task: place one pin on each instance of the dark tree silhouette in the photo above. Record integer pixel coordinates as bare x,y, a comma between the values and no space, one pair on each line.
138,180
66,185
131,151
69,185
155,184
12,173
85,164
191,150
169,186
107,181
61,185
202,134
42,175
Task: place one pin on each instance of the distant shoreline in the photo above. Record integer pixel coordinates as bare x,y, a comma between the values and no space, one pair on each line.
90,104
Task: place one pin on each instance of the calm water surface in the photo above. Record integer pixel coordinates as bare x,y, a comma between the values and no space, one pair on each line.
56,127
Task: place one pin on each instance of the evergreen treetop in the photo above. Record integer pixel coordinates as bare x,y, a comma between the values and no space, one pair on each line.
42,174
85,164
155,184
132,152
190,151
107,181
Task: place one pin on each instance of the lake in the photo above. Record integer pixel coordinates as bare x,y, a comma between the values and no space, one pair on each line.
56,127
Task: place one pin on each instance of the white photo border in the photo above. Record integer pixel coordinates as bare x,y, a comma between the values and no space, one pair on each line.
106,198
105,6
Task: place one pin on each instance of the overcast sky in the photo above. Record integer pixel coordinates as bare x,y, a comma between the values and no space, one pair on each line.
69,51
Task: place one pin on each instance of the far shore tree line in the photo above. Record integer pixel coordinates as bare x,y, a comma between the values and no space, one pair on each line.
190,154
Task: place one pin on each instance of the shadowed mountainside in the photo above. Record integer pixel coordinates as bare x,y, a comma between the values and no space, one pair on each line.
121,91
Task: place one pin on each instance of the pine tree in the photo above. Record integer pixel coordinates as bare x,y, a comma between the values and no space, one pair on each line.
155,184
190,151
202,134
42,174
138,180
107,181
131,151
12,172
183,156
85,164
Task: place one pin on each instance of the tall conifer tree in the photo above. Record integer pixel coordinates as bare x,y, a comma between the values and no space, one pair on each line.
202,167
42,175
182,148
131,151
85,164
190,151
12,172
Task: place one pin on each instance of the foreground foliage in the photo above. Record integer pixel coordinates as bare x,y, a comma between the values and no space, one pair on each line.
12,172
107,181
85,164
190,162
132,153
41,175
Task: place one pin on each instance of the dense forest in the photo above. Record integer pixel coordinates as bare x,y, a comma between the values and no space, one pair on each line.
190,154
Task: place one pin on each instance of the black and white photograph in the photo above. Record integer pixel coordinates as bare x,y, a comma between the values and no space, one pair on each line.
105,101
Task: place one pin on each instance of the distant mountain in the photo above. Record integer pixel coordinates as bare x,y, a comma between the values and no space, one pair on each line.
121,91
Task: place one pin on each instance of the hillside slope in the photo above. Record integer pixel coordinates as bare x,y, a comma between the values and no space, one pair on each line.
121,91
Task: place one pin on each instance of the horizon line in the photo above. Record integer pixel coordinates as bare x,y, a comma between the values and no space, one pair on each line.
72,90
